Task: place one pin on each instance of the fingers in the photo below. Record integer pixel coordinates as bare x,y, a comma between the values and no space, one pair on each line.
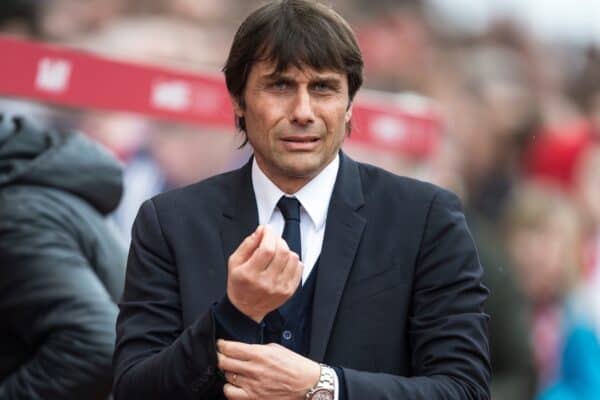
234,393
232,365
279,262
265,252
234,357
238,350
237,379
292,273
247,247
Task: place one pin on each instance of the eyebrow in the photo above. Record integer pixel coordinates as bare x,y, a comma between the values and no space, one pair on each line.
331,80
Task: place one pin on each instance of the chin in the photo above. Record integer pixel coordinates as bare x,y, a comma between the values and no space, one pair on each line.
306,170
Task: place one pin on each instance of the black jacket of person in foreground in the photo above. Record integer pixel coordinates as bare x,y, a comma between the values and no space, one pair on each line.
61,267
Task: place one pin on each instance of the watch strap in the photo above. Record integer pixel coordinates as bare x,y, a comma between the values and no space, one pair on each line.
326,381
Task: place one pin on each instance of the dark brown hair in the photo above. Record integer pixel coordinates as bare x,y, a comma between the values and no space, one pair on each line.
293,33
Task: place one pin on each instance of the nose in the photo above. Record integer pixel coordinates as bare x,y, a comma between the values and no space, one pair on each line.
302,110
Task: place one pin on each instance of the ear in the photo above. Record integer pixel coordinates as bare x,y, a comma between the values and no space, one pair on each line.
237,107
348,115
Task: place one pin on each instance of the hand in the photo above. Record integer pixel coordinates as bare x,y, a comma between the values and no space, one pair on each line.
263,273
265,371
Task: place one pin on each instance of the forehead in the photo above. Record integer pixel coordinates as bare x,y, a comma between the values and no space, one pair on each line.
268,70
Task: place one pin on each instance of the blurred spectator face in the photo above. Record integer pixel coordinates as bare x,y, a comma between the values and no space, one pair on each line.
468,129
61,19
510,107
587,185
205,11
19,17
543,242
595,113
127,38
539,254
403,34
499,77
187,155
122,134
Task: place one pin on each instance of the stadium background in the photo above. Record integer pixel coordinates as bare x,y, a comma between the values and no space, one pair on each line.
497,101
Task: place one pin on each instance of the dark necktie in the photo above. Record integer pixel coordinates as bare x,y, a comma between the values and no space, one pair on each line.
290,209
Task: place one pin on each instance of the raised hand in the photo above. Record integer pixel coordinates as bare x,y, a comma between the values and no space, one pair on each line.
263,273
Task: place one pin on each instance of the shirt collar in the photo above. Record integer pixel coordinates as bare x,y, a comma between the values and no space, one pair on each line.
314,196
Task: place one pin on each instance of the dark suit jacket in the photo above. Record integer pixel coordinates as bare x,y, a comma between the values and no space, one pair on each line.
398,301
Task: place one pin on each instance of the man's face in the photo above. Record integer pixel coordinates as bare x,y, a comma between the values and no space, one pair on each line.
295,121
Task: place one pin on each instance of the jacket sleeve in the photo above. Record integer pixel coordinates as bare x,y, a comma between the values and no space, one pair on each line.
155,356
447,324
51,299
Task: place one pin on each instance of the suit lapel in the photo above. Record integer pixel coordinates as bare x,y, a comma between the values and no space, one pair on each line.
342,236
240,216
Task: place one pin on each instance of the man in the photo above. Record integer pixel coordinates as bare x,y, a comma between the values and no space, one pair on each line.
386,302
61,265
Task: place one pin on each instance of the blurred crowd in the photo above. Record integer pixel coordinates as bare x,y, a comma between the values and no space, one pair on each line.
520,145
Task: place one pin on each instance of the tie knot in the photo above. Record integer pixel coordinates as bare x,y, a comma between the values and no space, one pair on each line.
289,207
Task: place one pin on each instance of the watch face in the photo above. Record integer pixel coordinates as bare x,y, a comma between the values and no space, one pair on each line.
322,394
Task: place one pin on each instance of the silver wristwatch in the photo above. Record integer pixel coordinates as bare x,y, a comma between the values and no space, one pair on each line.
325,387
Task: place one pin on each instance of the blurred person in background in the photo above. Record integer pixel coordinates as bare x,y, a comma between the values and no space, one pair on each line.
586,89
544,240
586,194
586,172
61,20
20,18
482,91
568,158
62,265
172,156
56,20
506,113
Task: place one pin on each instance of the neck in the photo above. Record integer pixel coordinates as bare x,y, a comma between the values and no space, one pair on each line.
288,185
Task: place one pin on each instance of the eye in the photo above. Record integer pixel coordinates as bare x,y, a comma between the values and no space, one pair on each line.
323,87
280,85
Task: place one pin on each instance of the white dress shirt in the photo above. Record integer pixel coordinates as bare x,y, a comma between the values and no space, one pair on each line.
314,200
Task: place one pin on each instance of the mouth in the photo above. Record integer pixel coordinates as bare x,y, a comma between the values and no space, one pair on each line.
300,139
300,143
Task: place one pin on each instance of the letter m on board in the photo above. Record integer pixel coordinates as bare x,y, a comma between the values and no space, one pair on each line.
53,75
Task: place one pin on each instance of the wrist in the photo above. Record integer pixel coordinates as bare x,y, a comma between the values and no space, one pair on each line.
324,388
312,376
247,311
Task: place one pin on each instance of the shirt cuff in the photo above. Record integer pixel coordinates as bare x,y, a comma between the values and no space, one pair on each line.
232,324
339,384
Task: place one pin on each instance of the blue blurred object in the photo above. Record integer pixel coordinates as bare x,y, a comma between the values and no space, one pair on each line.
580,367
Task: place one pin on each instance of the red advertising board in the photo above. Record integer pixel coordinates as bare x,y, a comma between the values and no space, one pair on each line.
76,78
